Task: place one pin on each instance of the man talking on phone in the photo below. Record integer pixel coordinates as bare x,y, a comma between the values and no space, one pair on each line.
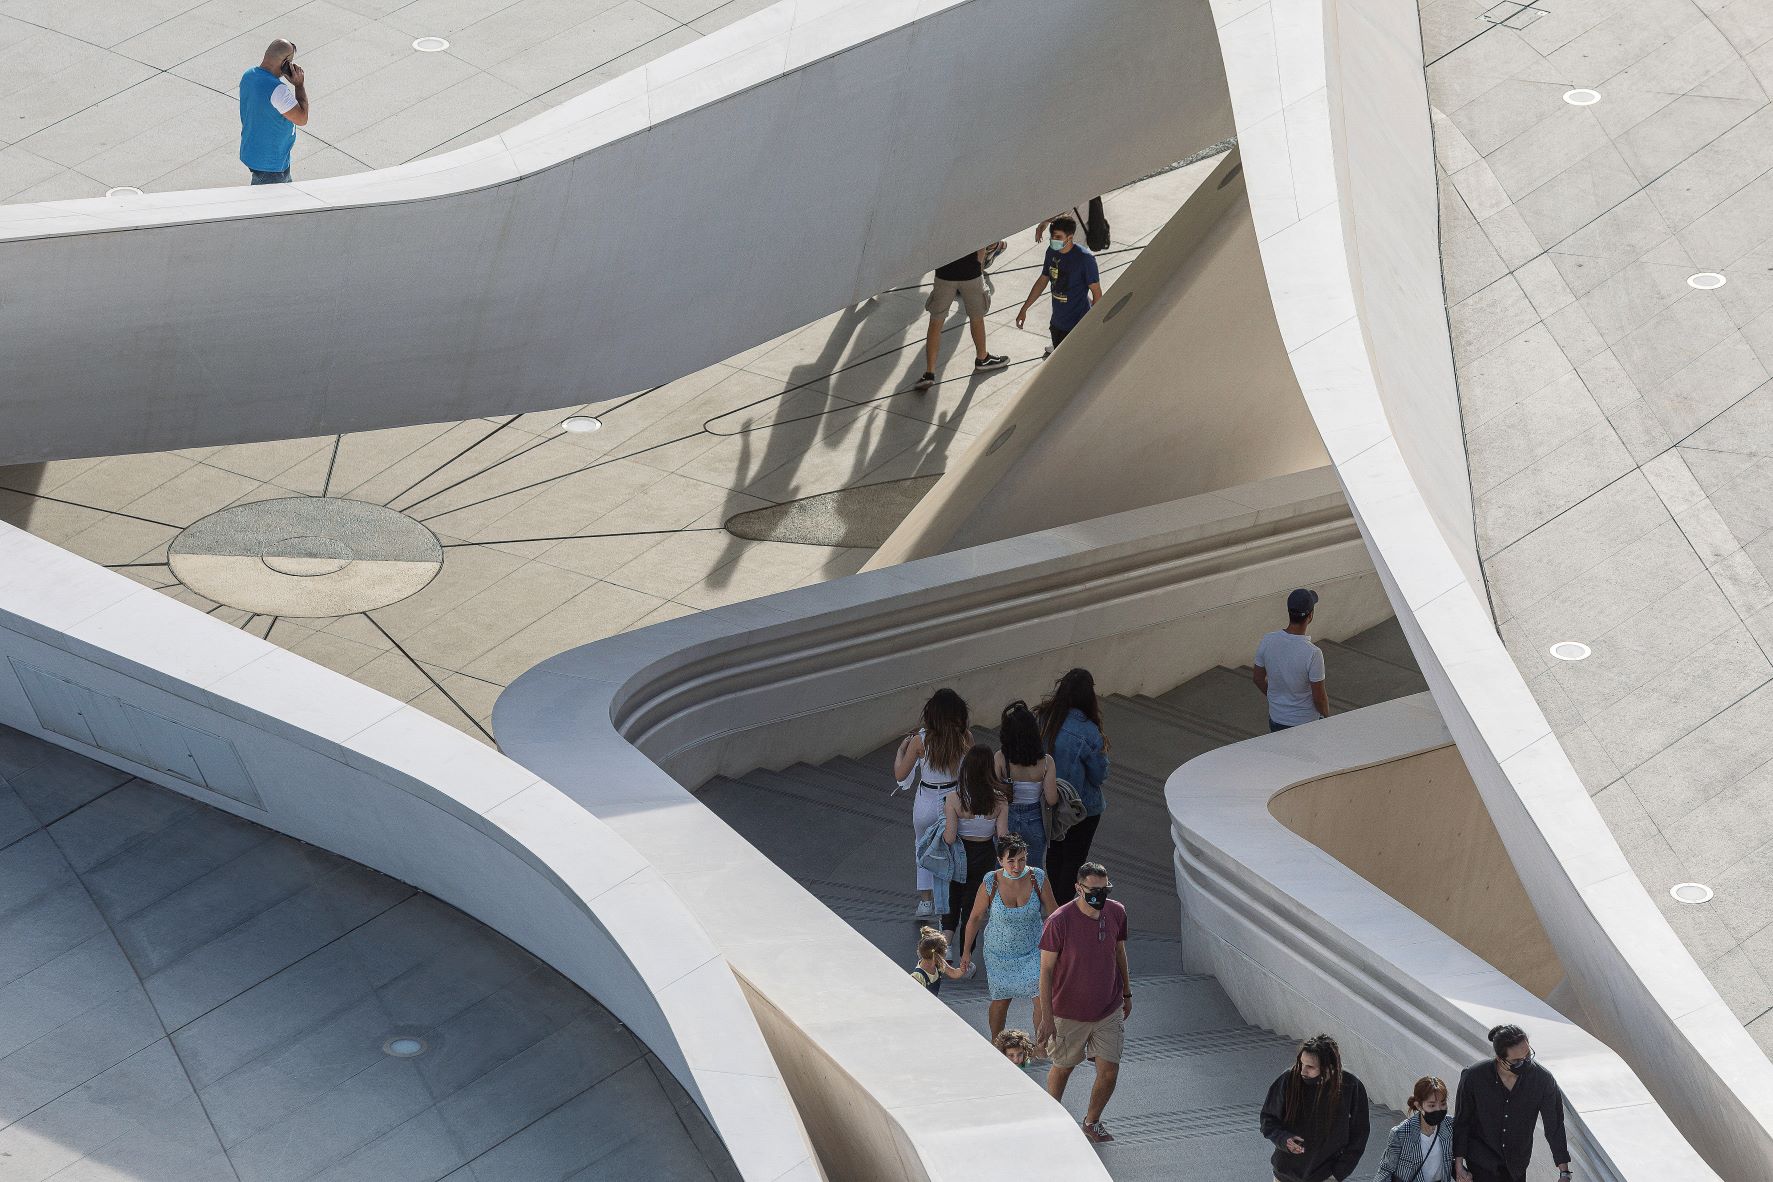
273,103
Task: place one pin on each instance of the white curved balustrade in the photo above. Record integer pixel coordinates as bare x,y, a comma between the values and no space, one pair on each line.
789,165
1146,599
1305,944
1332,116
128,676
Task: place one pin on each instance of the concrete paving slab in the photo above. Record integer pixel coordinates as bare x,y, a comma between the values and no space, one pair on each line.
262,1050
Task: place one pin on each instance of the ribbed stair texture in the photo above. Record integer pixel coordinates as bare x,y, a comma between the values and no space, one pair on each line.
1194,1075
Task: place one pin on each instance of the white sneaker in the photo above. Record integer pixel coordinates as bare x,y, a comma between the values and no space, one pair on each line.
925,908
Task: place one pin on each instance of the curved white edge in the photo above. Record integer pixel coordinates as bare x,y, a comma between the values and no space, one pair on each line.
1145,598
1303,943
1332,112
661,223
353,771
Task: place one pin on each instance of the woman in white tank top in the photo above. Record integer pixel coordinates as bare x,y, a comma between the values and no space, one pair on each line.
934,752
1034,783
977,814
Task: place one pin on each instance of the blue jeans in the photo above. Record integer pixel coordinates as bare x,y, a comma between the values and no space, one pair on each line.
1277,726
1028,824
269,178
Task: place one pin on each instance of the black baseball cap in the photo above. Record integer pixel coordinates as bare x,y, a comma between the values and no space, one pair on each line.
1301,602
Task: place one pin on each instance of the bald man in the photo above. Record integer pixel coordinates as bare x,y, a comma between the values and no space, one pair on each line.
273,103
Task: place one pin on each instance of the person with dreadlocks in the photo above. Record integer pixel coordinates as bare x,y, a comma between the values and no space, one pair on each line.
1316,1115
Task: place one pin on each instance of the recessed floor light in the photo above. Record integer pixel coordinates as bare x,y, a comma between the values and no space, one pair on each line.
1582,98
430,45
404,1046
1570,650
1706,281
123,191
1691,892
581,424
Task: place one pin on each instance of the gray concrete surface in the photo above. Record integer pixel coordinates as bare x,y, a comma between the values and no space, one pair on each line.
1195,1073
552,539
186,996
103,94
1617,418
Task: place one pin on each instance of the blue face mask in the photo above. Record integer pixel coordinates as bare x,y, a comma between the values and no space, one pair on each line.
1059,244
1013,877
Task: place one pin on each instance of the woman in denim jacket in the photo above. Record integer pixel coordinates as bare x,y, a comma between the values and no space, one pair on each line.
1071,726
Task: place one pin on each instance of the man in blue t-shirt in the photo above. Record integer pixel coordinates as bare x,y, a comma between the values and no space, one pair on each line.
1071,270
273,103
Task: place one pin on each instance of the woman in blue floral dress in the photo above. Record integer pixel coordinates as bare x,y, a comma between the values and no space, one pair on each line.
1011,907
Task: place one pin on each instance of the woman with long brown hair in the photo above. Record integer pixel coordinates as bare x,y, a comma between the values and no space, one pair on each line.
931,755
1071,729
1316,1116
977,814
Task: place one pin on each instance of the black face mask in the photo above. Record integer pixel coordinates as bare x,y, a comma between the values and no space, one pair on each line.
1096,896
1435,1117
1517,1064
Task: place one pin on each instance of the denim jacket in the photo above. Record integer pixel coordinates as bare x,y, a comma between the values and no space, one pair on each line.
946,862
1079,757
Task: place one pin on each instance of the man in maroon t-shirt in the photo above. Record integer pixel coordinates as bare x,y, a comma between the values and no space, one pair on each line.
1085,991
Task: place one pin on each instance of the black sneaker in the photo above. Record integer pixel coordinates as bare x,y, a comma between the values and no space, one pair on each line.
925,382
989,361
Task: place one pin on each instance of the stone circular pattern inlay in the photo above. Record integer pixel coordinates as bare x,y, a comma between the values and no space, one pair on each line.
306,556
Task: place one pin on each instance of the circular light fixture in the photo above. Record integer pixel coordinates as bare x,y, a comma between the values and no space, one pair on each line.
1691,892
430,45
1582,98
405,1046
1706,281
123,191
1570,650
581,424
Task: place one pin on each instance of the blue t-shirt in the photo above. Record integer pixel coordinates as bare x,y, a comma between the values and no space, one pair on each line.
1070,273
266,137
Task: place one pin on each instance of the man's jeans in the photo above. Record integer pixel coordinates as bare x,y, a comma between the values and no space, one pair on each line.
269,178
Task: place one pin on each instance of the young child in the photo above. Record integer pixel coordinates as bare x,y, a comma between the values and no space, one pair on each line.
932,960
1016,1046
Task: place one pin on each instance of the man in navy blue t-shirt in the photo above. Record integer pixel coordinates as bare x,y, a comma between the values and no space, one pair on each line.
1076,283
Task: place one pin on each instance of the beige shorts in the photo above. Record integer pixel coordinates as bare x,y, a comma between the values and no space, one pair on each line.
1072,1040
972,295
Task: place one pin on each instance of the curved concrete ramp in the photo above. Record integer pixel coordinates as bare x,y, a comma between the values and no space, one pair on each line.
191,997
789,165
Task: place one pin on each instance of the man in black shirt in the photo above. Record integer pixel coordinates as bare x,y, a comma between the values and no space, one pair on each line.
964,277
1499,1101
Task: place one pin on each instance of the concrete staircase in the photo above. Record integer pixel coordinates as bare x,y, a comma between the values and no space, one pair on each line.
1195,1072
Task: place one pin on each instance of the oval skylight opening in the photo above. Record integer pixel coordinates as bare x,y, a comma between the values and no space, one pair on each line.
123,191
1691,892
1582,98
581,424
1570,650
430,45
1706,281
404,1047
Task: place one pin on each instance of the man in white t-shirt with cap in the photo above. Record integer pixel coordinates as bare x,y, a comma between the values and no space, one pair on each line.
1290,669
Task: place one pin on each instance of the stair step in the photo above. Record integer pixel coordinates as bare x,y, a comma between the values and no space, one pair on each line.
1365,680
1227,696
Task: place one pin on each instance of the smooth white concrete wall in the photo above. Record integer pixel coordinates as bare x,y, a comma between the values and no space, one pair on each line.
351,770
1302,944
791,164
1146,599
1332,122
1177,385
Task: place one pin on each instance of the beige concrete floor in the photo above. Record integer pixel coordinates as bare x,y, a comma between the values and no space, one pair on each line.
553,539
144,93
1617,416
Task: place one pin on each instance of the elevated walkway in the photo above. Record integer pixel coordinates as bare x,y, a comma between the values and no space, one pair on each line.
1195,1073
186,996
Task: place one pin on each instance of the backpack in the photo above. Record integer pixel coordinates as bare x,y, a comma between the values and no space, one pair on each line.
1068,812
1096,234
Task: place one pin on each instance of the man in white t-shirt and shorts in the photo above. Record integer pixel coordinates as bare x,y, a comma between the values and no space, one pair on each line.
1290,669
